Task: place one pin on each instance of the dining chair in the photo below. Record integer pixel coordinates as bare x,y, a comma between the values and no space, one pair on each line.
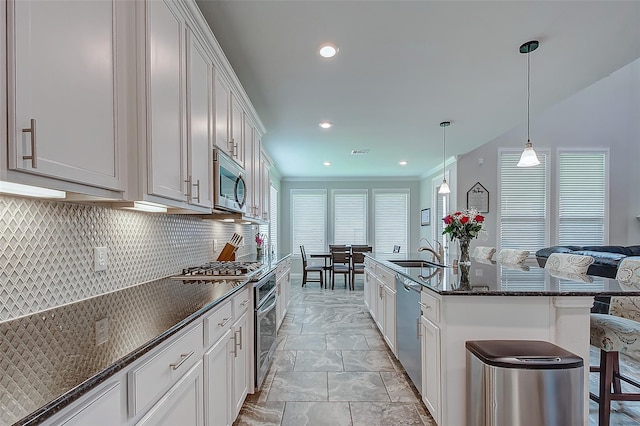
357,261
306,268
569,263
340,264
512,256
614,333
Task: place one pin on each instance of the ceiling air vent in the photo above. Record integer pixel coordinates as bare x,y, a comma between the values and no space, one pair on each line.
359,151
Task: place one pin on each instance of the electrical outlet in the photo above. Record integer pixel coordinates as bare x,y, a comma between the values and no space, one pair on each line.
99,259
215,245
102,331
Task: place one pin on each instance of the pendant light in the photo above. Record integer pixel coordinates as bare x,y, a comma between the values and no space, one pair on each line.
444,187
528,157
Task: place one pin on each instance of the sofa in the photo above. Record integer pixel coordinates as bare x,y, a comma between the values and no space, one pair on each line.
606,258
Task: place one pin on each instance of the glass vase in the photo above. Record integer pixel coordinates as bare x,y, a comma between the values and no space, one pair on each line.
259,251
463,252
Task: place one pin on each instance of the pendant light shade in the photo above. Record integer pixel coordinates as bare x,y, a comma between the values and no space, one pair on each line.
444,186
528,157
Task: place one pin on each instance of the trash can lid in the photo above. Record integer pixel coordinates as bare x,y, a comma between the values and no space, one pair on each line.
523,354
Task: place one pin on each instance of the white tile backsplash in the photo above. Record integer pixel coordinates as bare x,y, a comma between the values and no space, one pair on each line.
46,250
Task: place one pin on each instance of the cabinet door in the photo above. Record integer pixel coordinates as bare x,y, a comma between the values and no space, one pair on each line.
222,96
63,85
182,404
249,141
199,81
240,362
431,367
257,177
265,185
218,365
103,409
237,130
165,101
380,306
390,319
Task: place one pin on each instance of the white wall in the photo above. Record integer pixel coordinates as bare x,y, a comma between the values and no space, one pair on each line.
605,115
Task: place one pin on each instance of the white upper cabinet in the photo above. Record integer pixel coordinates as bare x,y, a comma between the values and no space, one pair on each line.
237,131
165,106
222,94
200,111
64,79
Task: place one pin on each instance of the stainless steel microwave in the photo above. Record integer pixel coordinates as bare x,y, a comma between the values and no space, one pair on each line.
230,190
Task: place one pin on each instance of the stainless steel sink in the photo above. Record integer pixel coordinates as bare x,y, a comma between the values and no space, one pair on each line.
415,263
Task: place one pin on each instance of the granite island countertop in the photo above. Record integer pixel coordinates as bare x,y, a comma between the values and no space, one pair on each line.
49,359
492,279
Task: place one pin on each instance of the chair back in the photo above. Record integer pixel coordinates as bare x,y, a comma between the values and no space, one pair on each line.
512,256
338,247
571,263
357,253
628,277
339,256
304,257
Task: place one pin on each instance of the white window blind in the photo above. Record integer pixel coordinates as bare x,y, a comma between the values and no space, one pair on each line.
273,218
439,214
523,203
350,217
582,198
391,220
309,220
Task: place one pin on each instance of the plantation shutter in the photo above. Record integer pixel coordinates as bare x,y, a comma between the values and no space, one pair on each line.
350,217
309,220
582,198
391,220
523,203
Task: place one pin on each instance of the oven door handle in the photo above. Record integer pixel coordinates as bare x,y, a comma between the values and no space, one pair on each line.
263,311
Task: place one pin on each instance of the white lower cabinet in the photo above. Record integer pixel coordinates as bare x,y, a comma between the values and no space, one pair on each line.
389,329
218,364
430,343
103,408
283,289
240,362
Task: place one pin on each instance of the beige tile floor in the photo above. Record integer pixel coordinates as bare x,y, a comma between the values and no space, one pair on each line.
332,367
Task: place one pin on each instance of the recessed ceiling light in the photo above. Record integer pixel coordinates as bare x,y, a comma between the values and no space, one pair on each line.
403,163
326,124
328,50
327,163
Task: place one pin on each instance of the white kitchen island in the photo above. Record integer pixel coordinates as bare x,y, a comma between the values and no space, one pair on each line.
489,302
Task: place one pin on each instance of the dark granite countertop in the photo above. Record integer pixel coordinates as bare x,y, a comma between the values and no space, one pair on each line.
49,359
491,279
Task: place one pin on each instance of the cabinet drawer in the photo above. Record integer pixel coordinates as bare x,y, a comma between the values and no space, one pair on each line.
216,324
369,264
151,379
430,306
241,302
386,276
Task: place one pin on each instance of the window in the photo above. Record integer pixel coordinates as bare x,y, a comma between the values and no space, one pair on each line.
350,217
273,215
582,202
391,220
309,220
441,201
523,203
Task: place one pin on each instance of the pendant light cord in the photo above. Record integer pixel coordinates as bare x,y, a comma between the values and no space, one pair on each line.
528,94
444,131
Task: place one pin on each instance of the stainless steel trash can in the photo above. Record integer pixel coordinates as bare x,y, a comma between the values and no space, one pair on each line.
523,382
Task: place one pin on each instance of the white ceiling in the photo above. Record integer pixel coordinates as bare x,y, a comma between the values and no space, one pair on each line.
405,66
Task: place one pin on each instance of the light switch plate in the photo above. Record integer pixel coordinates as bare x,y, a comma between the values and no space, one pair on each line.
479,272
102,331
100,259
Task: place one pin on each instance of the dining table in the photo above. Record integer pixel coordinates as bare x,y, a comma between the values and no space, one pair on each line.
326,257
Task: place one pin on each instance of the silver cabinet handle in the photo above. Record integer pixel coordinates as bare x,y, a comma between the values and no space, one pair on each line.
236,342
188,194
418,328
424,306
243,304
197,185
235,150
224,322
34,155
183,358
235,346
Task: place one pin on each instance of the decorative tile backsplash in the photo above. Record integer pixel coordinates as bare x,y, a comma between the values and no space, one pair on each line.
46,250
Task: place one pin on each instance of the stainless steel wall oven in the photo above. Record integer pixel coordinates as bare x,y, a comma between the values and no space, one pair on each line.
266,299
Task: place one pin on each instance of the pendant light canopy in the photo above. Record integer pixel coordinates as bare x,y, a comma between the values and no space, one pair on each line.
528,157
444,187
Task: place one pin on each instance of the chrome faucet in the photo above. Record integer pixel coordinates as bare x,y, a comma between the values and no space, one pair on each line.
439,254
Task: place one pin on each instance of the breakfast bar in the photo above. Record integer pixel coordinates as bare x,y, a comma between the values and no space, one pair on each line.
488,301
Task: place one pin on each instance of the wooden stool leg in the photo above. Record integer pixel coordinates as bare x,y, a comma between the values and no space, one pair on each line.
606,380
616,373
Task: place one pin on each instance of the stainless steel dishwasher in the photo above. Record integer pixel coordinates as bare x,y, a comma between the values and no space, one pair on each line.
408,328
